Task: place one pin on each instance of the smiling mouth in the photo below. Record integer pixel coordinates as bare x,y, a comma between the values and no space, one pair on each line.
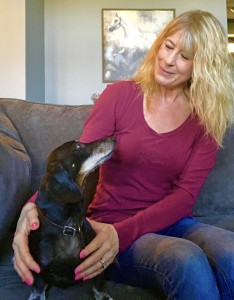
165,71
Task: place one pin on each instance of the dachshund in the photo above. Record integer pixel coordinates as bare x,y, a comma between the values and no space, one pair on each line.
64,230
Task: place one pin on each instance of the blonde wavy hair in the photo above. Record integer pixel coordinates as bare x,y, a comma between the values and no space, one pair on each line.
210,90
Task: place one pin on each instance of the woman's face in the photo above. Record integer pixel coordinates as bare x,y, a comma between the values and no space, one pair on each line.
173,67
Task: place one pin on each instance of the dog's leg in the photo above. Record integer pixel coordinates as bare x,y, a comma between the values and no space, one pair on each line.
38,291
99,288
35,295
100,295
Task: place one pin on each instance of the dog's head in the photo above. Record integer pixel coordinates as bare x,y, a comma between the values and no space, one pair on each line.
69,164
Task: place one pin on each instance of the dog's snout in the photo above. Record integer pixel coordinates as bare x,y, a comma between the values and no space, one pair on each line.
109,143
112,140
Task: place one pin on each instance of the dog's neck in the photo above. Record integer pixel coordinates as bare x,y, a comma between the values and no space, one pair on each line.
63,214
71,229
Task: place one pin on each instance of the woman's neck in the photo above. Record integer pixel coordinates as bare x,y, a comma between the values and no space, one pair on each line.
171,95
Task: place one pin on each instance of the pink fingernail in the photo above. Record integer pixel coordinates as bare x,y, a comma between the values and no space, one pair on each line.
34,225
82,254
77,277
77,271
86,278
28,282
36,270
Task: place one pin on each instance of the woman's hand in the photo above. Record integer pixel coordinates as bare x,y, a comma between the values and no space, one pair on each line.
23,261
102,250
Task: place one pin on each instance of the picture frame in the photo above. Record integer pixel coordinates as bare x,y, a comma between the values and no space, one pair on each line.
127,35
231,43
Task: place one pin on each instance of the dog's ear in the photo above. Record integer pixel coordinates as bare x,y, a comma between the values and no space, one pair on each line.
60,185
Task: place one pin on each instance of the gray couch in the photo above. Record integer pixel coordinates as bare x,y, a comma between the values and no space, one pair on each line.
29,131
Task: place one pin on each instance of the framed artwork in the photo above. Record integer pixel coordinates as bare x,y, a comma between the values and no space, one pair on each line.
127,35
231,43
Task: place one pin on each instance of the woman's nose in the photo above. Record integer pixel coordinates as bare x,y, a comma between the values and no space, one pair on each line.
171,58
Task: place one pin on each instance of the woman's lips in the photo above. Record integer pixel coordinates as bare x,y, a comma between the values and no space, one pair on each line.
165,72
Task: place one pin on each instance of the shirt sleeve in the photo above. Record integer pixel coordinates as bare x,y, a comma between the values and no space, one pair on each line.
101,121
178,203
33,198
110,106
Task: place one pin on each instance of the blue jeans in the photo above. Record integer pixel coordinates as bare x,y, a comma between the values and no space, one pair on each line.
187,261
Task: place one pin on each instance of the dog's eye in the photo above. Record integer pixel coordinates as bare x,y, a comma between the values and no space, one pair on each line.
78,146
73,166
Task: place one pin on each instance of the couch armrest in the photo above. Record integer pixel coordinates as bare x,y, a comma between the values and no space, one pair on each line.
15,175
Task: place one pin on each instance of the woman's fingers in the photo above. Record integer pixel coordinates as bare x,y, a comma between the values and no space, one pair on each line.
93,269
23,261
22,269
91,272
32,216
100,252
106,236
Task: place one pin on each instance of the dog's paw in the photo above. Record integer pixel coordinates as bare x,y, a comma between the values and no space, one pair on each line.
36,295
101,295
107,297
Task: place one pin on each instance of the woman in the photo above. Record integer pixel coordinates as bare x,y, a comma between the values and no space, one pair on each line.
169,122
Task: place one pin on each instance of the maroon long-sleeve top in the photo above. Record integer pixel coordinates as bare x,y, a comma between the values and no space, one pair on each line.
152,180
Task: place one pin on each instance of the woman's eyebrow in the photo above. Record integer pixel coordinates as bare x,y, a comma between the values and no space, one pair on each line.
169,40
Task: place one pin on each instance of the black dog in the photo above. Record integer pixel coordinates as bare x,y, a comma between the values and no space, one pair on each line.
64,230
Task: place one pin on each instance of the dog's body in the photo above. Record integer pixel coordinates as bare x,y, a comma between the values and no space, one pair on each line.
64,230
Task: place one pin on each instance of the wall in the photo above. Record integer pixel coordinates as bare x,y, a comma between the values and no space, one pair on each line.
22,66
73,41
52,48
35,62
12,50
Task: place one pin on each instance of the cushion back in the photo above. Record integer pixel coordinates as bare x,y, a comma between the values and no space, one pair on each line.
42,127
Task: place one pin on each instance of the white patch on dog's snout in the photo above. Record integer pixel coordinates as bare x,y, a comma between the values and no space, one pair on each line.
100,151
92,162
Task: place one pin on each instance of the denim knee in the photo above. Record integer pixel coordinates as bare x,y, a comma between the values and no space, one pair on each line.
218,245
179,267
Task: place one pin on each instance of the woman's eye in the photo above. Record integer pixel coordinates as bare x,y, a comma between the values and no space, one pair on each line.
184,57
168,46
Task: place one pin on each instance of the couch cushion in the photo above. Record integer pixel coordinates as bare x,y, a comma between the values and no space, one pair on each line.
215,204
42,127
15,175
